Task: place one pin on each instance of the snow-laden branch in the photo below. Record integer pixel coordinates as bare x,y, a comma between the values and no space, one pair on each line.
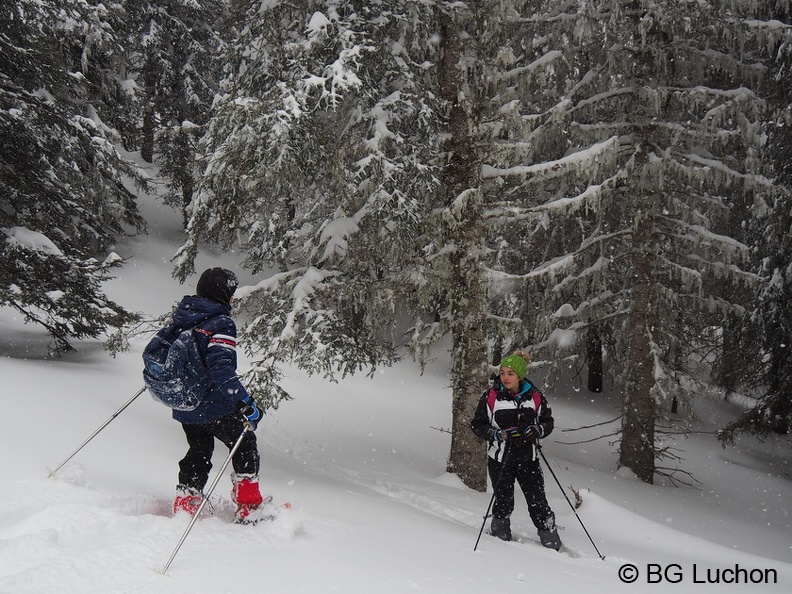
550,169
554,266
304,283
541,62
561,263
705,236
589,197
600,265
721,167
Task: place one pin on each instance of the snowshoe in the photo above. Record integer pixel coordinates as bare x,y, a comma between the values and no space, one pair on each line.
266,512
549,537
501,528
187,500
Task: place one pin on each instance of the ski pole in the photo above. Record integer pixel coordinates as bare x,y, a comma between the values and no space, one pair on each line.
248,427
574,511
492,499
95,433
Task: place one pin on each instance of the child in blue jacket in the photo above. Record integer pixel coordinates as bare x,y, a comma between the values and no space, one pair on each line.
222,414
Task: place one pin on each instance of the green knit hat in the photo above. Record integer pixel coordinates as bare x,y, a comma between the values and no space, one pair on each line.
517,364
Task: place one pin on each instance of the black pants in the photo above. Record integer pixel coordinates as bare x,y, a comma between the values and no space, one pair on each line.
195,466
521,467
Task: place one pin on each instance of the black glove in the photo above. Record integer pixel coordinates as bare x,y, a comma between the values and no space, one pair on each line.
495,435
504,435
532,433
250,410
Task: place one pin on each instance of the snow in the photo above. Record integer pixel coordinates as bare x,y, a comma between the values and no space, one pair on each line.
30,239
550,169
363,463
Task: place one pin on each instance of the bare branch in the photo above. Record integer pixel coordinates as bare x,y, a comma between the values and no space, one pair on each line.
595,425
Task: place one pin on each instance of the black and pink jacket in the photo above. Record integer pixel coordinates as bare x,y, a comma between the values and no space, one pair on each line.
498,410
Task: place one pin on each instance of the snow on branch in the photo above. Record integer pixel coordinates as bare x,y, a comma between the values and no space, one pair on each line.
303,284
600,265
604,96
580,160
724,270
335,235
716,165
541,62
770,31
269,284
31,240
590,197
554,266
704,235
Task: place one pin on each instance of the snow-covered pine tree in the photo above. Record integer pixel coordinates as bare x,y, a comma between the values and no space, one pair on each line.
317,164
177,44
94,51
764,366
62,197
626,133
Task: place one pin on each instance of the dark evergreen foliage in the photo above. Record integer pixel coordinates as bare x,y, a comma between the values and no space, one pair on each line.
764,364
62,192
176,46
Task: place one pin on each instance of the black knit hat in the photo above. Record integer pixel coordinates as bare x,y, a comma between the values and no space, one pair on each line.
217,284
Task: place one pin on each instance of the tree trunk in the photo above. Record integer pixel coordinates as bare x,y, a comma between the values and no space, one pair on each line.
467,289
594,361
637,442
729,365
468,457
147,140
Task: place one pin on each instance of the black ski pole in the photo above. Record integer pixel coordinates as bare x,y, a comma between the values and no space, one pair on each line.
492,499
248,427
574,511
95,433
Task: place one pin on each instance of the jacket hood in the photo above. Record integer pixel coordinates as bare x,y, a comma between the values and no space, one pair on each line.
193,310
525,387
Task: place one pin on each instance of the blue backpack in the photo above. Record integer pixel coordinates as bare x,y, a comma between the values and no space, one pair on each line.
174,370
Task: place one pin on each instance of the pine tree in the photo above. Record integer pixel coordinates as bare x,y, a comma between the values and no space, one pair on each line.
62,192
175,62
625,134
763,365
317,164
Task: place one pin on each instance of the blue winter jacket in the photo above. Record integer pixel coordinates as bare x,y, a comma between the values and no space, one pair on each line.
216,339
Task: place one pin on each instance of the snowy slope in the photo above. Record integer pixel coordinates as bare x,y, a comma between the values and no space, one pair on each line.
363,464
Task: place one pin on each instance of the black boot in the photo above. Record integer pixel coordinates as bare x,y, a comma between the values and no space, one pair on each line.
549,536
501,527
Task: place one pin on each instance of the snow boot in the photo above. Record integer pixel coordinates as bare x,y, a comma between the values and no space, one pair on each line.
247,497
501,527
549,536
187,500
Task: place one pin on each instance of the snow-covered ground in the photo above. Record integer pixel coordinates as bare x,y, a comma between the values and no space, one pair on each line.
363,463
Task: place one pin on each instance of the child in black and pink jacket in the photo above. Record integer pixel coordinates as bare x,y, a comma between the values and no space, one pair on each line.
512,416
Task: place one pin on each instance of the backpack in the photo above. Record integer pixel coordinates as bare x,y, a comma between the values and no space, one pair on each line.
174,370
